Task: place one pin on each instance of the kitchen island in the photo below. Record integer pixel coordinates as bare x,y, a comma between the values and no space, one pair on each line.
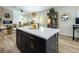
42,40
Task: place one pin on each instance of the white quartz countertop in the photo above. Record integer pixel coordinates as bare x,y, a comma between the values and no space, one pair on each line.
42,32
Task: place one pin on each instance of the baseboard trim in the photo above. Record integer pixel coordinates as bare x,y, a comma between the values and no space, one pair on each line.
68,36
65,35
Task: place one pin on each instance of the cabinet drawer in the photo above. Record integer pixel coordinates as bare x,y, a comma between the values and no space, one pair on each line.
30,43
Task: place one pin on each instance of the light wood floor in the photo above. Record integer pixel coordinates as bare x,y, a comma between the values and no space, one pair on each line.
67,45
8,44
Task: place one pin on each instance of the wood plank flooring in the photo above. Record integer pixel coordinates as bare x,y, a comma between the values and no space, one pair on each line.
67,45
8,44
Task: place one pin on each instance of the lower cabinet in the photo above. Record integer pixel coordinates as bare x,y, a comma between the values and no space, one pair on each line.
28,43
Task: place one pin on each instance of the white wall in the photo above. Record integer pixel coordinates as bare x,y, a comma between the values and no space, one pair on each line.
66,26
3,11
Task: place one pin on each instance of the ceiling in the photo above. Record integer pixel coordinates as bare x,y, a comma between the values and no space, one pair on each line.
27,9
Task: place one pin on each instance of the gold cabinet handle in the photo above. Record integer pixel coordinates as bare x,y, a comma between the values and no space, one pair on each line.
31,37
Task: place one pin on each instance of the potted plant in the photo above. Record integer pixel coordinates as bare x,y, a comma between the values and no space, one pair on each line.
9,29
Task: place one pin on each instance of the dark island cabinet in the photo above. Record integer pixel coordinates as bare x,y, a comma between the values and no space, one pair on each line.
28,43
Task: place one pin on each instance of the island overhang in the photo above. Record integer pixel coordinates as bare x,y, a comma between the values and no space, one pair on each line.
44,33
